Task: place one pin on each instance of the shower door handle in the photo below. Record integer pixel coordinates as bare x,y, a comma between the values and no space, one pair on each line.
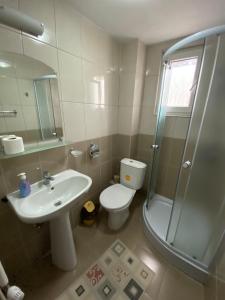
187,164
154,147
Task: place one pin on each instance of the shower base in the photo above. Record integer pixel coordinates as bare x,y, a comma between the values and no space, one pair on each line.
156,222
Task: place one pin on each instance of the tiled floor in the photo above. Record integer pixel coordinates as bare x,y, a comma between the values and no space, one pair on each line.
45,282
117,274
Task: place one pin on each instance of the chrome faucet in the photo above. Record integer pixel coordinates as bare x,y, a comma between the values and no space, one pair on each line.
47,178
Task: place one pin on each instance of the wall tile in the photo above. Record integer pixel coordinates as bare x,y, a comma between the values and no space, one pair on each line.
147,122
10,41
106,148
109,117
129,56
93,163
77,163
40,51
71,77
10,3
43,11
90,40
94,83
74,121
126,92
93,120
150,91
13,166
68,27
125,120
53,160
106,174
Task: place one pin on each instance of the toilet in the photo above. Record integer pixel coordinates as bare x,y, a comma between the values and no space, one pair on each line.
117,198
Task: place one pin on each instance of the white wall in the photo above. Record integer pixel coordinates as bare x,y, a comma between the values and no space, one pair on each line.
83,55
132,68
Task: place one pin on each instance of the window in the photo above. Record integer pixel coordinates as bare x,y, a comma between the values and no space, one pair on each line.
180,82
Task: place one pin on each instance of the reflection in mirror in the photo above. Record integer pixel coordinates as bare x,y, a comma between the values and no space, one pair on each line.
29,100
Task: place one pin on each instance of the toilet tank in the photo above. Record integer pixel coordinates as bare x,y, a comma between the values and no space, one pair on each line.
132,173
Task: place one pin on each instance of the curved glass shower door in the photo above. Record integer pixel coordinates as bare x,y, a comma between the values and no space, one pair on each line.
198,218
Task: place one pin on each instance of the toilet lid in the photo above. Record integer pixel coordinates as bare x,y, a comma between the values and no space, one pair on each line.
116,196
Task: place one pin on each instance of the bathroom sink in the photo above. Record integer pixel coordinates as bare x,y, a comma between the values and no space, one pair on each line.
52,203
48,201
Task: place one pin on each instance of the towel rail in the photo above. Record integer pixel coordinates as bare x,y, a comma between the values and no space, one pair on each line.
7,112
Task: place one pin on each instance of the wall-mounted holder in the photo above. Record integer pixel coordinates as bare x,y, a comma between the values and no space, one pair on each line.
76,153
94,151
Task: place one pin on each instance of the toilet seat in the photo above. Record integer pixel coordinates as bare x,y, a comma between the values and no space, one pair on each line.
116,197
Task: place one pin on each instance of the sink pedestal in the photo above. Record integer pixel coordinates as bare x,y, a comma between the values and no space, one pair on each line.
62,243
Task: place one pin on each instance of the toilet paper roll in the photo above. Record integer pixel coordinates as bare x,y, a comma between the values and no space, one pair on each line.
5,136
3,277
13,145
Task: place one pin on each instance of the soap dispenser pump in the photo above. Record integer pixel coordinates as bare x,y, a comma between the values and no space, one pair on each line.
24,185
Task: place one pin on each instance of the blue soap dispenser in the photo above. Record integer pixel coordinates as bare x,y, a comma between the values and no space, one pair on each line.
24,185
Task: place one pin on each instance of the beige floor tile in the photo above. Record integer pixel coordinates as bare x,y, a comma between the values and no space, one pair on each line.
46,282
176,285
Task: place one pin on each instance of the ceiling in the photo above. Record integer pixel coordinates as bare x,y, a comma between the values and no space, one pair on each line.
153,21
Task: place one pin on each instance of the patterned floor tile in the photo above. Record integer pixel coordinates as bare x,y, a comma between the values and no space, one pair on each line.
95,274
106,290
118,248
80,289
120,274
117,275
144,275
107,259
130,260
133,290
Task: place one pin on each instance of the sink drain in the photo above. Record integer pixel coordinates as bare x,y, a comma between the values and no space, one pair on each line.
58,203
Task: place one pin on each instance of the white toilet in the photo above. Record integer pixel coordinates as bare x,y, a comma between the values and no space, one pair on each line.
117,198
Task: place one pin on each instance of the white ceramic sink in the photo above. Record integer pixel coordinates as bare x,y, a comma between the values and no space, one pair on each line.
48,201
52,203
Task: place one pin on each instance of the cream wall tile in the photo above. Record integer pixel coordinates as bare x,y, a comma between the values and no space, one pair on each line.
147,121
10,41
26,86
94,83
3,128
68,27
125,120
136,119
150,90
90,40
93,114
9,91
30,117
112,86
138,90
71,77
129,56
74,121
105,49
10,3
40,51
15,122
43,11
109,117
126,92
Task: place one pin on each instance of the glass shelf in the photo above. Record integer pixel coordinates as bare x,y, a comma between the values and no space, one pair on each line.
33,148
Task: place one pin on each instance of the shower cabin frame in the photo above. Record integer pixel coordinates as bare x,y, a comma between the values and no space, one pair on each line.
189,265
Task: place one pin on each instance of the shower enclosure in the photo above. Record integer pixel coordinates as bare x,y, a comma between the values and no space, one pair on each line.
189,227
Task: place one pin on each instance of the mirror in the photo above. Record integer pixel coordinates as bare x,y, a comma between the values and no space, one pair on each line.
29,100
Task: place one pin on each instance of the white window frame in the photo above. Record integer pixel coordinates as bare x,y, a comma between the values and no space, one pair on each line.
179,55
